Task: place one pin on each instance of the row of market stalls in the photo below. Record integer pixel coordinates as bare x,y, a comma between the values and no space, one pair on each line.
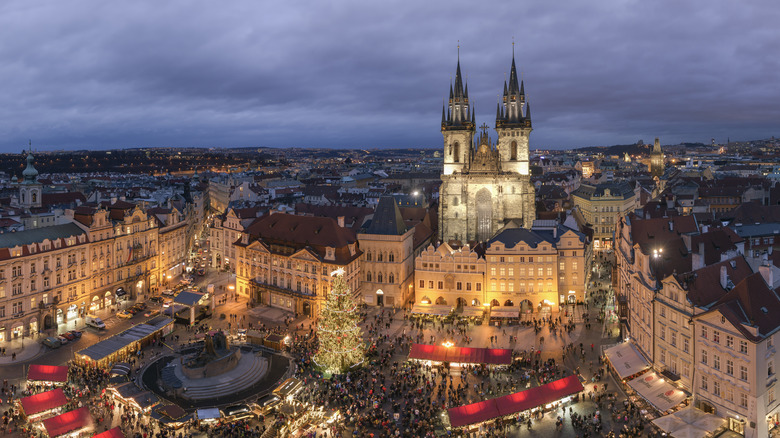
507,314
460,355
634,372
544,396
120,347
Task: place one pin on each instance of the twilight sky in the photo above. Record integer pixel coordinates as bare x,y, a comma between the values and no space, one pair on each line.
365,74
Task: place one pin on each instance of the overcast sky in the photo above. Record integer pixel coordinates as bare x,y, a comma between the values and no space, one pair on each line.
365,74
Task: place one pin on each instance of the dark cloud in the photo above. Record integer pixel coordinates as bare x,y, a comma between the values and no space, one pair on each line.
88,74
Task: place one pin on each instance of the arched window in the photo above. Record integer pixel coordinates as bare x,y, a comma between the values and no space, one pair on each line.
34,197
513,151
379,277
456,152
368,276
391,257
391,278
369,256
379,257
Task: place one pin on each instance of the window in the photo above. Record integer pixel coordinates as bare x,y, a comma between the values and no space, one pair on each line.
704,358
479,287
716,361
430,284
716,388
468,286
422,284
769,342
663,356
674,338
663,333
686,345
511,272
743,373
716,336
729,367
459,286
743,347
503,286
540,271
493,270
704,383
503,272
770,367
441,285
772,394
663,312
704,332
729,341
743,400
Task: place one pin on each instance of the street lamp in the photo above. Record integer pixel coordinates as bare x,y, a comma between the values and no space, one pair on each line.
448,344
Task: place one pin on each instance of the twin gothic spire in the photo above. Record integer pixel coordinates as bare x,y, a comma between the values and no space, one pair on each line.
511,109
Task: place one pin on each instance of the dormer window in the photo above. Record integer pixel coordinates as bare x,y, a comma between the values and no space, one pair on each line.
330,253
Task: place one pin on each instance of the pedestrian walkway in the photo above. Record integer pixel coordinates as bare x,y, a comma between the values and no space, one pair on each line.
25,348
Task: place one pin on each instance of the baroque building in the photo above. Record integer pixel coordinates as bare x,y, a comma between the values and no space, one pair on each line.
485,185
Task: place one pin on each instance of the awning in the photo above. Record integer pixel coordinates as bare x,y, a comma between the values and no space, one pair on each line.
432,309
48,373
626,360
44,401
505,312
438,353
111,433
539,395
473,413
658,392
473,311
689,421
514,403
120,369
209,414
68,422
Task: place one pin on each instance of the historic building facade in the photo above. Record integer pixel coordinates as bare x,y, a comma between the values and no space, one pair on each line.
535,270
485,185
286,261
657,160
602,206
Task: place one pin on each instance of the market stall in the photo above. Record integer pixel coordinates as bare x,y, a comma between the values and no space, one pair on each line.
111,433
512,404
431,309
626,360
75,421
208,415
44,404
48,374
123,345
473,311
689,421
134,397
461,355
170,416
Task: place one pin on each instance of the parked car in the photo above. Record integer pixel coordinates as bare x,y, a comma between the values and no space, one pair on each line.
126,314
68,335
151,313
51,342
157,299
94,321
139,306
76,334
63,339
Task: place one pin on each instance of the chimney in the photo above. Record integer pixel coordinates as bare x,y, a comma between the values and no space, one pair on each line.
671,225
698,258
724,277
705,228
766,271
341,221
555,232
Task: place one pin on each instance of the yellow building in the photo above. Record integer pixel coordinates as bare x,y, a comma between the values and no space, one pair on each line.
286,261
535,270
43,277
602,206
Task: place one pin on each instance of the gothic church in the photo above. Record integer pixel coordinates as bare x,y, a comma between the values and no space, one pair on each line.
485,185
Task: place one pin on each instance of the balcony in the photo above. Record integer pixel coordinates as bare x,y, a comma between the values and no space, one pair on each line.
273,288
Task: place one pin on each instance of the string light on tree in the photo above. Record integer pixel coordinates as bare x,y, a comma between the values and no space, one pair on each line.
341,339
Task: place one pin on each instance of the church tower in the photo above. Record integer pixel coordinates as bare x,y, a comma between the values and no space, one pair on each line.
657,160
457,126
30,189
513,124
485,185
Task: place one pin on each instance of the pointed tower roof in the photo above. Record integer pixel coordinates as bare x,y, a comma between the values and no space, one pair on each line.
387,218
443,114
657,146
513,85
528,111
458,81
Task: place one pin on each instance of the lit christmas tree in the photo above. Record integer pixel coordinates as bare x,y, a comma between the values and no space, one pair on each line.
341,339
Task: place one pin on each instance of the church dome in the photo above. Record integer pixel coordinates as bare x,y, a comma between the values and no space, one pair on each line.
30,173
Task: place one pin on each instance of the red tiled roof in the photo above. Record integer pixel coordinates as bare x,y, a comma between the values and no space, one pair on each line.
703,285
751,303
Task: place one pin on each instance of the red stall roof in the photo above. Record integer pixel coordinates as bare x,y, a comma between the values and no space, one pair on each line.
68,422
473,413
48,373
513,403
111,433
44,401
438,353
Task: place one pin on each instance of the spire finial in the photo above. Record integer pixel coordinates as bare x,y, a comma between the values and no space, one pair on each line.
458,50
513,47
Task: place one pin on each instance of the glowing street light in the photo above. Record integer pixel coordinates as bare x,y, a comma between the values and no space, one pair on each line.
448,344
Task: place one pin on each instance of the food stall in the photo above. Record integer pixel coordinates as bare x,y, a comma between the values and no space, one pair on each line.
42,405
47,374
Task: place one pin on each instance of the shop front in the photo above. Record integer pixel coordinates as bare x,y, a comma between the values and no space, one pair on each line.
33,326
107,300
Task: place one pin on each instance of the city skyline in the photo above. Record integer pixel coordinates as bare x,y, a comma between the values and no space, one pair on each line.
355,75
